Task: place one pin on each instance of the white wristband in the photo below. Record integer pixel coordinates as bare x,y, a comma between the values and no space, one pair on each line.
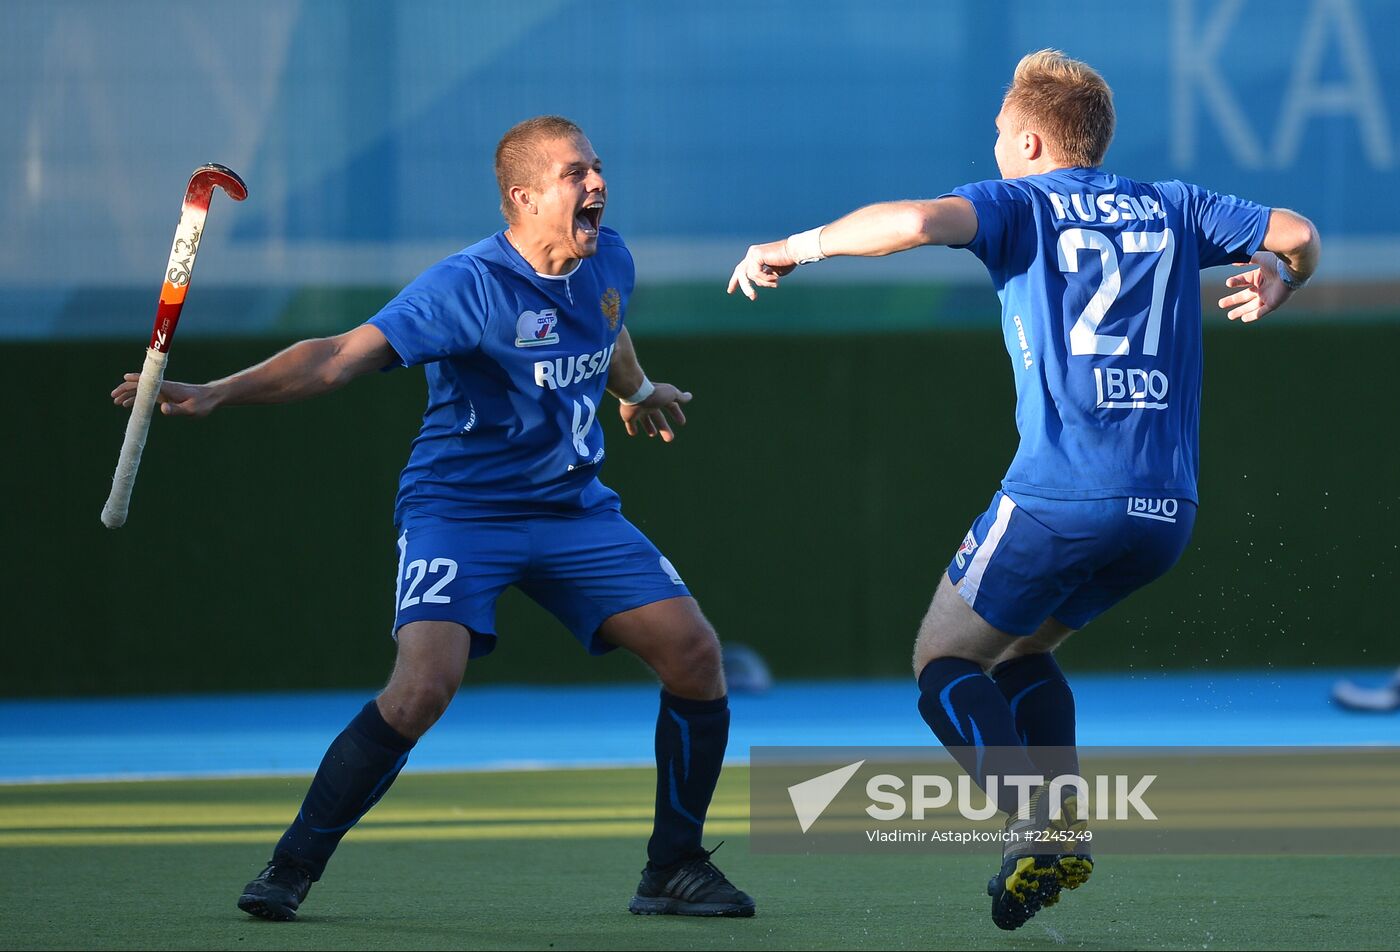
645,390
806,247
1286,276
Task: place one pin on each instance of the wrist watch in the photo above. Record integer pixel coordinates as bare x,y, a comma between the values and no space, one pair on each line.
1286,276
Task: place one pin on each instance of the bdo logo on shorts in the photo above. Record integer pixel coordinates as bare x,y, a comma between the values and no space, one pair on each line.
1163,510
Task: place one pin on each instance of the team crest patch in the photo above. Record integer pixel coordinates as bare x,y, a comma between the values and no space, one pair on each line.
611,303
536,328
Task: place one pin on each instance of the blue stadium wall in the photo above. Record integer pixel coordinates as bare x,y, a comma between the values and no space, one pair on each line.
260,554
366,129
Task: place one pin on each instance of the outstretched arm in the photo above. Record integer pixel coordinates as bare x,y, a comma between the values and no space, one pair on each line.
872,231
1284,264
644,405
306,369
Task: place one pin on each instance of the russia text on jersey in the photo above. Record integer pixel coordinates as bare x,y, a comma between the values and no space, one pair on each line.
566,371
1108,209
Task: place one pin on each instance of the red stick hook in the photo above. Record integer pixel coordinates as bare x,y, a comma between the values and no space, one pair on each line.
202,183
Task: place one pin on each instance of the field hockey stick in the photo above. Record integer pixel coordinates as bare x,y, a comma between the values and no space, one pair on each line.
172,299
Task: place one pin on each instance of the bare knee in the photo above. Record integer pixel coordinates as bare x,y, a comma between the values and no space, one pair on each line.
692,665
431,660
676,641
412,707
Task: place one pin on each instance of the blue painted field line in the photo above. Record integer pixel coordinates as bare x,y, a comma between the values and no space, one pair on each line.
503,727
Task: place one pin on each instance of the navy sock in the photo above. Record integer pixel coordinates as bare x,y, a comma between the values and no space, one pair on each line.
690,740
973,720
358,768
1043,708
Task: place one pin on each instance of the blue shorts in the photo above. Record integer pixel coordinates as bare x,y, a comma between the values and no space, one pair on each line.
1028,558
582,569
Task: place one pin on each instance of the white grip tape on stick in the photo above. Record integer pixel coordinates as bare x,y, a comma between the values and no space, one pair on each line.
147,390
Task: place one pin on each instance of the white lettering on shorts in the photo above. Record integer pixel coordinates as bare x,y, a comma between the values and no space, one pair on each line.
1145,507
419,569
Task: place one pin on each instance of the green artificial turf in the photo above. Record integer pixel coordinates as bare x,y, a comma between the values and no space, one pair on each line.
549,859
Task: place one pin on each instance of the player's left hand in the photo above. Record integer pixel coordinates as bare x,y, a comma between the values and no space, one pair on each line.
762,266
1263,291
650,415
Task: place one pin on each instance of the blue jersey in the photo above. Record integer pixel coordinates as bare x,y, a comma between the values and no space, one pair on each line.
517,364
1099,282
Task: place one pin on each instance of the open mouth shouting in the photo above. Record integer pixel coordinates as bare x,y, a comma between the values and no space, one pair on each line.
590,217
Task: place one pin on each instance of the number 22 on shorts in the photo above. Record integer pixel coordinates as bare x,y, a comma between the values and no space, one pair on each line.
418,570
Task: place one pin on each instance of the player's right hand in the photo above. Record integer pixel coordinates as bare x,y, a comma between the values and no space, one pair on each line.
649,416
176,399
762,266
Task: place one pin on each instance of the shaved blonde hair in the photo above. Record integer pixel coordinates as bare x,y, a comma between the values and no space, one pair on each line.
519,158
1066,102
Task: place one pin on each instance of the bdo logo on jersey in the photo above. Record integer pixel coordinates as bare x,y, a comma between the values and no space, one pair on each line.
969,545
1130,388
536,328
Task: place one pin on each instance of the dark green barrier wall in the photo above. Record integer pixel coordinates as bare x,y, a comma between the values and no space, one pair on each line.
820,489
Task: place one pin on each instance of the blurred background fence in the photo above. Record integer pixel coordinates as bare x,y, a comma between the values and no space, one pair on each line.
845,430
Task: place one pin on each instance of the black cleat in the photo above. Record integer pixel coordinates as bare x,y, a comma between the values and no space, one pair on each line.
1031,881
1072,870
276,893
1025,885
693,887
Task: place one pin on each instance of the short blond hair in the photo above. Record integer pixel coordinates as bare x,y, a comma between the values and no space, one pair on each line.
1067,102
519,158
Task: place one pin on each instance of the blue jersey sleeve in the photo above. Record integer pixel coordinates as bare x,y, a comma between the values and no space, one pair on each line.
1004,219
1228,229
441,313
